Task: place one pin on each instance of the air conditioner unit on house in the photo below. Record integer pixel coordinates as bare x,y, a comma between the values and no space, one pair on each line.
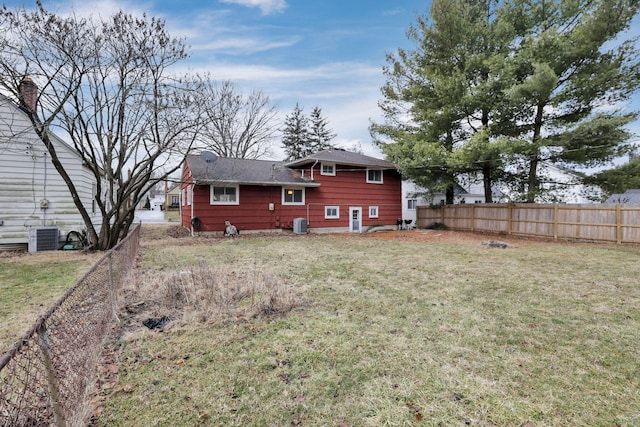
300,226
43,239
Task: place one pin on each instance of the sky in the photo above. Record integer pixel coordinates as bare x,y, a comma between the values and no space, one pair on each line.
324,53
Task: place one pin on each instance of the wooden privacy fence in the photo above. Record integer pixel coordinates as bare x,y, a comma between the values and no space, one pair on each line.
609,223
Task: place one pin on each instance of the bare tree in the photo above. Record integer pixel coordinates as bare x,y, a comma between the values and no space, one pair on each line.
237,125
106,85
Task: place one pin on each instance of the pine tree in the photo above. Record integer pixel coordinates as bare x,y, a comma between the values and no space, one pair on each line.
319,133
514,81
295,135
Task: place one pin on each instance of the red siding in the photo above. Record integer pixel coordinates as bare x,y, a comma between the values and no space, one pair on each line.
348,188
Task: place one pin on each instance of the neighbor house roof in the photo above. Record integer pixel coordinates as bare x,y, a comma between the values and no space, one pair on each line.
343,157
629,197
207,168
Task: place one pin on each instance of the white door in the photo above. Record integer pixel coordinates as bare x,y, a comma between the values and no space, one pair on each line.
355,220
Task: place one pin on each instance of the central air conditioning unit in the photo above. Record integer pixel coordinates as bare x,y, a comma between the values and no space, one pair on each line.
43,239
300,226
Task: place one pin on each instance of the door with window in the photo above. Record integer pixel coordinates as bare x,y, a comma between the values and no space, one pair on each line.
355,220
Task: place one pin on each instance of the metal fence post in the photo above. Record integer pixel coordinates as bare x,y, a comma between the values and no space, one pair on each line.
112,285
52,382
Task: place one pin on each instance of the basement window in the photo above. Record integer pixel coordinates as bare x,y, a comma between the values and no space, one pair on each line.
331,212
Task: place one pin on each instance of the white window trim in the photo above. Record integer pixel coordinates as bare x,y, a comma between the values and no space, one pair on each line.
189,194
333,168
213,202
375,214
327,216
381,177
415,204
293,203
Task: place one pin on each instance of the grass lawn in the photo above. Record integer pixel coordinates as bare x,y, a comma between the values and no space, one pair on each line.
392,329
31,283
172,215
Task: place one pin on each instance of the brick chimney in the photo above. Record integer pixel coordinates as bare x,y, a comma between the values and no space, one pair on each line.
28,94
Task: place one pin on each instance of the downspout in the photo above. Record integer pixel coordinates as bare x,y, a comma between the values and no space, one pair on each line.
312,167
192,186
44,193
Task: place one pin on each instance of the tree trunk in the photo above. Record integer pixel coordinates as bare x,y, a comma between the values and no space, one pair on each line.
486,179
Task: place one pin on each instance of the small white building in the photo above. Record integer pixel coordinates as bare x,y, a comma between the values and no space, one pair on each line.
35,202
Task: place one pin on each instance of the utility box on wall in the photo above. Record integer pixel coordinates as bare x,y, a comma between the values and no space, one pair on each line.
300,226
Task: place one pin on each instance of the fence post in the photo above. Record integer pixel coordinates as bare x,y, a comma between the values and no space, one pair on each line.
473,217
555,221
618,223
509,213
54,391
112,285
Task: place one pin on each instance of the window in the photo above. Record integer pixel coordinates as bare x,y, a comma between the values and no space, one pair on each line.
374,176
189,195
411,204
328,169
293,196
373,212
331,212
175,200
224,195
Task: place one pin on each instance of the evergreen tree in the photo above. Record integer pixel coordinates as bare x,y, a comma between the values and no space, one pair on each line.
516,81
295,138
566,63
319,133
447,87
617,180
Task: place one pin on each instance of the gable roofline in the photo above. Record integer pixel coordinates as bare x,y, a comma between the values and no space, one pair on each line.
343,157
207,168
55,138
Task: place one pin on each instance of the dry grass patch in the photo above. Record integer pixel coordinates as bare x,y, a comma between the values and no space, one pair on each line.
210,294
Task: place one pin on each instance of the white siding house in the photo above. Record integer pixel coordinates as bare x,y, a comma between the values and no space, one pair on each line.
413,195
32,193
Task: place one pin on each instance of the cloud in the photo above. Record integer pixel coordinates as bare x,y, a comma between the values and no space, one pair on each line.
267,7
244,46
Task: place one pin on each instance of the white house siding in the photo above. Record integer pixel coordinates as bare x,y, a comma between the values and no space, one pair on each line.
27,177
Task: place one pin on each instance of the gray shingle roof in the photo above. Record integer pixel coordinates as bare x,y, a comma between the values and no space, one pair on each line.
629,197
207,168
344,158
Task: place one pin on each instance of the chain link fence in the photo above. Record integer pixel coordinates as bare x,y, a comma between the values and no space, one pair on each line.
46,377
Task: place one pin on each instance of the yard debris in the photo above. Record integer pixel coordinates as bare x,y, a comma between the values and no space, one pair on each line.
156,323
495,244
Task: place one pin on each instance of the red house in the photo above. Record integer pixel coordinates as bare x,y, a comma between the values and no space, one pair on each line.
330,191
